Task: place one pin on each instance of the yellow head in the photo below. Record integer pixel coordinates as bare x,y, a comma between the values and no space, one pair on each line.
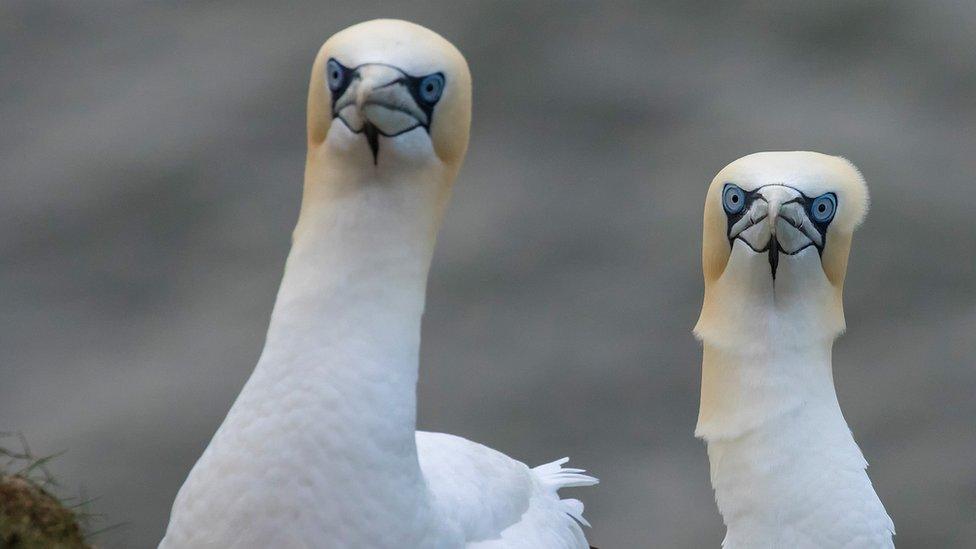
777,234
388,91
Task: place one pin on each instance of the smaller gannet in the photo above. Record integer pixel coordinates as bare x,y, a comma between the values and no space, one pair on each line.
320,449
784,465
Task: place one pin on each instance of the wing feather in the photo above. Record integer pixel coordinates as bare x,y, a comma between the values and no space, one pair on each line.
496,501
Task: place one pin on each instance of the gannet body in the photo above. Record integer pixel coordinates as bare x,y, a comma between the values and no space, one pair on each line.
320,449
784,465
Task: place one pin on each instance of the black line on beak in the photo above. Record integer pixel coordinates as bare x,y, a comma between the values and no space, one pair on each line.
773,255
373,138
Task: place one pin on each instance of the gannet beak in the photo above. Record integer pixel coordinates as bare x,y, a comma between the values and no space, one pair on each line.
777,222
378,102
383,98
776,197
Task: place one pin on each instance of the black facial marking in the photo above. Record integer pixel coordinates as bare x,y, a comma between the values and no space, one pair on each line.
733,216
425,90
815,213
337,72
819,211
773,255
373,139
419,88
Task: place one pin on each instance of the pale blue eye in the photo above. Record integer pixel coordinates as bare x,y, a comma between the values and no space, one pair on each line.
335,74
431,87
823,207
733,199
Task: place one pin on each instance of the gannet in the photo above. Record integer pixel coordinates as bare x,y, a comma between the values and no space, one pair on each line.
320,449
784,465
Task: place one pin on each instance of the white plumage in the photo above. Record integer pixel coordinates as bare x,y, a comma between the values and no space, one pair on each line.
498,501
320,447
784,465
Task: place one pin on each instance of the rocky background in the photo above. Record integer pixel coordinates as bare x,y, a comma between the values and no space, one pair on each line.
151,158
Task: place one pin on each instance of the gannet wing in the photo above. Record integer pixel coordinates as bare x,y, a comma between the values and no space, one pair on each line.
497,501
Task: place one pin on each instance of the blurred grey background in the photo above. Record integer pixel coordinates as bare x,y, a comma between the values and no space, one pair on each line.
151,158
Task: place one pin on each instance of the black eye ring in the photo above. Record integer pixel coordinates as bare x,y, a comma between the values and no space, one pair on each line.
733,199
823,208
335,74
431,87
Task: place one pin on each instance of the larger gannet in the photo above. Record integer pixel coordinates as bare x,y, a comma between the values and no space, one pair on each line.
784,465
320,449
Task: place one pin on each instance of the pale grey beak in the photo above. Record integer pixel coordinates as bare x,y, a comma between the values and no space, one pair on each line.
378,95
777,223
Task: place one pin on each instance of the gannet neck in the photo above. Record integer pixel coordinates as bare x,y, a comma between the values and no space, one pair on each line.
339,370
745,389
784,466
767,343
353,293
783,460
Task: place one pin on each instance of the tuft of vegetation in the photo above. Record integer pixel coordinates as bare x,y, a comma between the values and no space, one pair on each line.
31,517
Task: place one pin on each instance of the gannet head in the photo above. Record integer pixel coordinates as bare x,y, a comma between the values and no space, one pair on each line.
777,234
390,92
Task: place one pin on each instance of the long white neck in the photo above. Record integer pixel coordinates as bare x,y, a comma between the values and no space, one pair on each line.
337,379
784,465
745,389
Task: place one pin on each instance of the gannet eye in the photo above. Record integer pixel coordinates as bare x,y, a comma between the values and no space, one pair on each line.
733,199
431,87
823,207
336,74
